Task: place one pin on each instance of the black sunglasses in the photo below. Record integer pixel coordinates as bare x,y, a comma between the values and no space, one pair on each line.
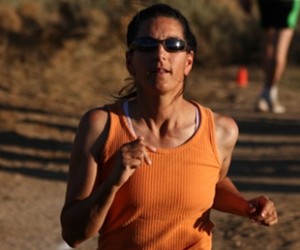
149,44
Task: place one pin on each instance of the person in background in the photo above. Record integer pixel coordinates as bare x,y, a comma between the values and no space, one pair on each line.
147,169
278,19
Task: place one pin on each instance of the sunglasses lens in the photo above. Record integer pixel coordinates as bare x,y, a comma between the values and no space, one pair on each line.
174,44
148,44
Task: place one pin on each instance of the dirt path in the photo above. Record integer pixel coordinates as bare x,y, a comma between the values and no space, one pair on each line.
36,137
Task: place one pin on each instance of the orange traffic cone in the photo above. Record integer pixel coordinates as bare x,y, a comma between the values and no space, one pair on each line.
242,77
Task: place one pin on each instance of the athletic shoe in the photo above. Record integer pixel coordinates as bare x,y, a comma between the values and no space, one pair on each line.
264,105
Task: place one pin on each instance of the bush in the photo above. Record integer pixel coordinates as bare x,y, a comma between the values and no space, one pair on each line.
224,33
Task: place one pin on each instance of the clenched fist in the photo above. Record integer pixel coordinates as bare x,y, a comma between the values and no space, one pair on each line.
130,156
262,210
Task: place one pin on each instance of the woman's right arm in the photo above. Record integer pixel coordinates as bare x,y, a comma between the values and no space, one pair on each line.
86,206
85,209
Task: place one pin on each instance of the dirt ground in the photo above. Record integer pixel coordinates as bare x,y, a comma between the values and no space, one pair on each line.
35,141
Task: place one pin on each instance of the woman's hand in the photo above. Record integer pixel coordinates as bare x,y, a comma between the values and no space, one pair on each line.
262,210
130,156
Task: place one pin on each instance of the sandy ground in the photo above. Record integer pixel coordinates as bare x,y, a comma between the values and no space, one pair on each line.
35,142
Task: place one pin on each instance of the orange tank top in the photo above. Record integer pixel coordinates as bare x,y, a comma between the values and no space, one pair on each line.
165,205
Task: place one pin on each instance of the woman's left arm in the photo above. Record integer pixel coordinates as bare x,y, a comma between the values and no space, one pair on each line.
228,198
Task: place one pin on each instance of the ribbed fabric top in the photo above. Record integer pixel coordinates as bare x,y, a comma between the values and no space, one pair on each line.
165,205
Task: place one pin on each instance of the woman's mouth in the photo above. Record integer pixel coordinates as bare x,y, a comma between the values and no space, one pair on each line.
158,71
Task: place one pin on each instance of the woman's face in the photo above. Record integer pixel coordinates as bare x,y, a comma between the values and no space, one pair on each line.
160,71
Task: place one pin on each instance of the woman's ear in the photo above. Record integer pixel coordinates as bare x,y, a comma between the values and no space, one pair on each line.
129,63
189,62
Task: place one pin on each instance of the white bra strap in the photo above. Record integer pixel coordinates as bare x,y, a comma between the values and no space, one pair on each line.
197,120
126,112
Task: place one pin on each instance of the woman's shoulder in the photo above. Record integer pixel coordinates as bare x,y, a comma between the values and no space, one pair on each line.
94,115
96,120
226,129
224,121
101,113
225,126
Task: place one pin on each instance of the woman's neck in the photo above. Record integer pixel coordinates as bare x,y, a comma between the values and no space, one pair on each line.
162,123
157,109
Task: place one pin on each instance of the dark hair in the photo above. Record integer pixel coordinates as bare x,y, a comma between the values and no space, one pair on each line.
161,10
154,11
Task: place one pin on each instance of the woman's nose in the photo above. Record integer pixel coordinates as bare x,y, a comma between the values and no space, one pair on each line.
161,51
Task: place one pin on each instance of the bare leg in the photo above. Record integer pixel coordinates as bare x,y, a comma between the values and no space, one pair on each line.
275,58
269,56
